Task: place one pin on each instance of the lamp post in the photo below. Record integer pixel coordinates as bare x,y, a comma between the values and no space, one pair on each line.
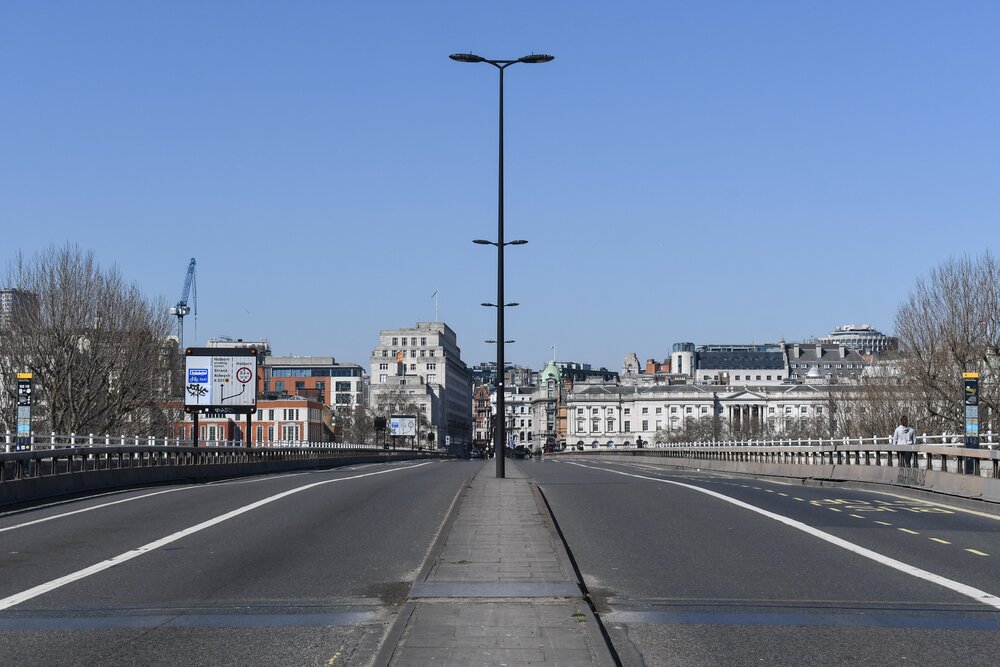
501,430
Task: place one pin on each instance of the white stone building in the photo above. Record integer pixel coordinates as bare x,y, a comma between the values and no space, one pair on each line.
424,365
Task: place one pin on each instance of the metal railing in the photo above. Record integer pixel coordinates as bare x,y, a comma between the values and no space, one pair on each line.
72,454
39,442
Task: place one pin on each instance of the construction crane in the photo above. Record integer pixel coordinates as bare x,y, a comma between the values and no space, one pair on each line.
182,308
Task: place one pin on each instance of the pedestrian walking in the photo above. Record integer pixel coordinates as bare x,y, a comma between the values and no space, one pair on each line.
904,435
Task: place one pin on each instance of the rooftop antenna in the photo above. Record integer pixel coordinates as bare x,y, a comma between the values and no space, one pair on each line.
435,297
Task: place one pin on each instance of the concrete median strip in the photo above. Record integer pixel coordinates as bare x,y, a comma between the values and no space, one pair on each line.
498,589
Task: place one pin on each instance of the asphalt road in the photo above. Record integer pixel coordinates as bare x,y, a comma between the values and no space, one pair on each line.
795,575
298,569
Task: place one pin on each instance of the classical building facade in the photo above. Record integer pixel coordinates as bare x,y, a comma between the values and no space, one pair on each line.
619,414
423,365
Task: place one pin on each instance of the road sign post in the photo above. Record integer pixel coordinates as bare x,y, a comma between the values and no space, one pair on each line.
971,401
220,380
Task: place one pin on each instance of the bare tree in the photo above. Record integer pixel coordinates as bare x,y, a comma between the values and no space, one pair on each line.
950,324
94,344
355,424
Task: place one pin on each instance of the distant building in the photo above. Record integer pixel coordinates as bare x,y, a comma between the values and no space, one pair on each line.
831,362
318,378
756,364
14,303
287,421
423,365
861,337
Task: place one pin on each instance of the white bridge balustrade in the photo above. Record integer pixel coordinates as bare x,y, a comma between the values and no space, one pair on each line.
59,464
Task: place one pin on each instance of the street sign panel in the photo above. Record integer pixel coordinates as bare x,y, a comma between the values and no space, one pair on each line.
220,380
403,425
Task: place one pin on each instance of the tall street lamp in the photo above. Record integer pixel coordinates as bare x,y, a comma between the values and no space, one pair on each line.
500,442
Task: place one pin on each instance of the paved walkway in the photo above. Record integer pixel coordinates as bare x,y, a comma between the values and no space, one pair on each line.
501,590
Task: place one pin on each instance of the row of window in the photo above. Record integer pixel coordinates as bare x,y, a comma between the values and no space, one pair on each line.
213,432
413,353
413,340
315,372
824,366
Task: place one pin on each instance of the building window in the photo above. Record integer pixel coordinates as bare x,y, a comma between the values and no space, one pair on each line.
737,378
270,415
260,433
395,341
704,411
628,427
279,385
645,424
673,409
385,353
381,378
383,367
432,367
688,410
432,378
645,411
628,411
659,424
593,411
413,367
819,411
299,385
768,377
659,411
595,425
611,425
758,377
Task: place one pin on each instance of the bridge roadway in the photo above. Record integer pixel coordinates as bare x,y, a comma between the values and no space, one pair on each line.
683,567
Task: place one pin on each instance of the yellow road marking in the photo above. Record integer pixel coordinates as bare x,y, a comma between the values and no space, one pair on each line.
977,552
939,540
986,515
907,530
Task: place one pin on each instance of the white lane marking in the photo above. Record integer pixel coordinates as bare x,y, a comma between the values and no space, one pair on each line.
18,598
225,482
88,509
956,586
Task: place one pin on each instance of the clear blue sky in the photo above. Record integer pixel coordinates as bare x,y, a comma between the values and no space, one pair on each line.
684,171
